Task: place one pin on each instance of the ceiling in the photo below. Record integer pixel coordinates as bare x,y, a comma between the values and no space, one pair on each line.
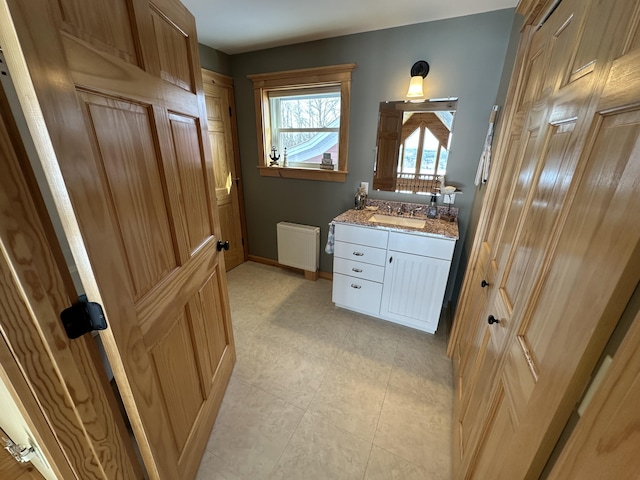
237,26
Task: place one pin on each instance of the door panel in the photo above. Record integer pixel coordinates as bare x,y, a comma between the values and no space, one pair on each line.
138,204
173,48
136,165
549,193
196,204
115,36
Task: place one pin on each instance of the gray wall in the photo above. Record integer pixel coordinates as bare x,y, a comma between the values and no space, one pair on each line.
466,56
214,60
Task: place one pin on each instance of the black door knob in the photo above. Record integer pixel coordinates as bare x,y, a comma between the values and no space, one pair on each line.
484,283
492,320
220,245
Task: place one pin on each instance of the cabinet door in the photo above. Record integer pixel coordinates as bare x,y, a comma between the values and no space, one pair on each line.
413,290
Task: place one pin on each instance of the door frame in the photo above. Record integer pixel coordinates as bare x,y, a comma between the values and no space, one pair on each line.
60,385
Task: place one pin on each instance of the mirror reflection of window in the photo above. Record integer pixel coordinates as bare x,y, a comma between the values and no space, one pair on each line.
413,145
420,151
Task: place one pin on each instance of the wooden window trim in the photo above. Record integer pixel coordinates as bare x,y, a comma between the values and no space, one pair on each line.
263,83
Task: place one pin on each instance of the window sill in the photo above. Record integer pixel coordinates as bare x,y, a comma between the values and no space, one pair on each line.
304,173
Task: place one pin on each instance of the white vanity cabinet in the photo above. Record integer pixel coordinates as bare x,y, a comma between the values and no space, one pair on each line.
397,276
415,279
358,267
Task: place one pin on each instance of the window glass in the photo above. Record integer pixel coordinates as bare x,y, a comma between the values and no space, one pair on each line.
410,153
429,153
307,125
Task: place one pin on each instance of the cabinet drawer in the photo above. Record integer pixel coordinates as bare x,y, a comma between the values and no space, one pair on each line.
360,253
366,271
357,294
422,245
361,235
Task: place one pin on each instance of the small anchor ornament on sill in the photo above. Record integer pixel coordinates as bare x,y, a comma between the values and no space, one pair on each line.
274,158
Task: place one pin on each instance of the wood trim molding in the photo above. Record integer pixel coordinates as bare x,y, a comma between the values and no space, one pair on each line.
330,73
274,263
304,173
263,83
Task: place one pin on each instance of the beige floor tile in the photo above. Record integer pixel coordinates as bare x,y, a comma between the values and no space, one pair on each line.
420,372
295,377
254,357
214,468
350,401
252,429
367,354
297,351
384,465
319,450
416,428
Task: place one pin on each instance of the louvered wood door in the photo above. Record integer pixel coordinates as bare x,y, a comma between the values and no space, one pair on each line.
121,93
218,92
389,129
562,275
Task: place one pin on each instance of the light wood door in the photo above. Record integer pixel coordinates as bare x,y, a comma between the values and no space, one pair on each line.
129,163
557,266
59,386
218,94
603,444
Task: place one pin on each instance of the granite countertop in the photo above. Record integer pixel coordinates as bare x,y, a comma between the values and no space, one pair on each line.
433,226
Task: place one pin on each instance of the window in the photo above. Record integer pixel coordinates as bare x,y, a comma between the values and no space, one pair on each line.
307,112
421,151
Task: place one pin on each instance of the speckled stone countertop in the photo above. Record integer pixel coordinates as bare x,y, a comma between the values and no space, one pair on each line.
433,226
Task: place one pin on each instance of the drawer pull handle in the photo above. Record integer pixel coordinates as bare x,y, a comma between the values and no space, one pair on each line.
358,254
357,270
353,285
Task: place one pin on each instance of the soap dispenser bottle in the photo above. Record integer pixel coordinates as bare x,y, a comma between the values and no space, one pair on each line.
432,210
361,198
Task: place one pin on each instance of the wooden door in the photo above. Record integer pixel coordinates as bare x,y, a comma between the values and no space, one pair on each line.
218,94
128,160
607,419
555,246
58,385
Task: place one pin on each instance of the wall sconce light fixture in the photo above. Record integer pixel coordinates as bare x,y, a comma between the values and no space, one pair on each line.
419,71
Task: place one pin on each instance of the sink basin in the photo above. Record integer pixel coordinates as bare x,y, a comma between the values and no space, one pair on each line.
398,221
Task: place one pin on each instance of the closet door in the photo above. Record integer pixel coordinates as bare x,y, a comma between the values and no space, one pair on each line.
120,89
548,256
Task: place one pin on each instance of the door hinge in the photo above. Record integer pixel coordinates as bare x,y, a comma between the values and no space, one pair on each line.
20,453
83,317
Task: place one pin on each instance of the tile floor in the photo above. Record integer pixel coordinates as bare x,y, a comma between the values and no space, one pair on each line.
323,393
